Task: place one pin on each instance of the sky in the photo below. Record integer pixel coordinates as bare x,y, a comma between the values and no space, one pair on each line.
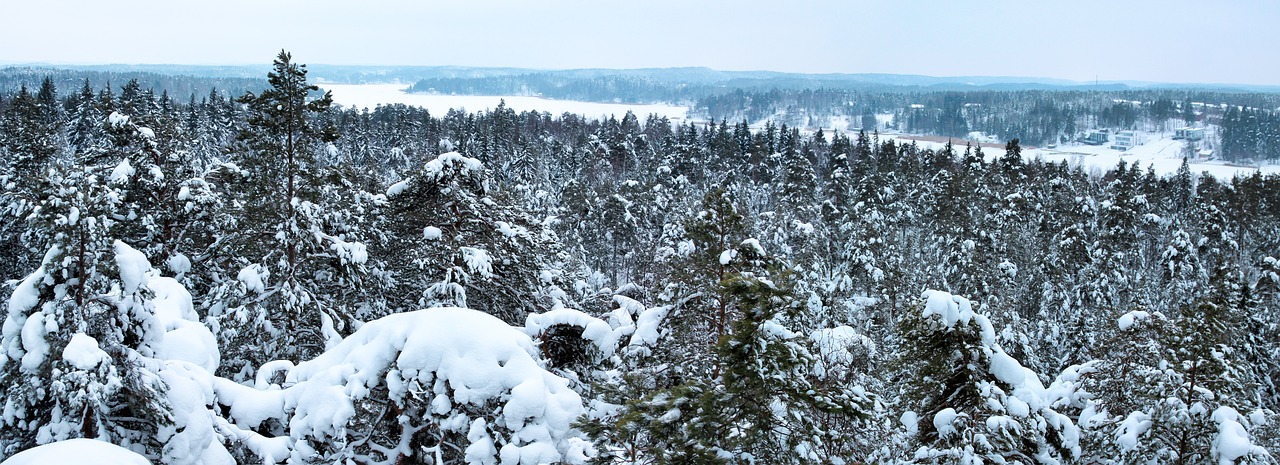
1205,41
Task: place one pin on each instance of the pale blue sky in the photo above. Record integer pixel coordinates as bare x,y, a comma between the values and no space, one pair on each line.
1215,41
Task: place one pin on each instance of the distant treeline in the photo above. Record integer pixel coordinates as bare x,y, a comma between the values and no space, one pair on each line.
180,87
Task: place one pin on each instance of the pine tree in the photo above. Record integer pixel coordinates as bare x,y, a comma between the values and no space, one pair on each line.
294,249
967,400
450,240
95,312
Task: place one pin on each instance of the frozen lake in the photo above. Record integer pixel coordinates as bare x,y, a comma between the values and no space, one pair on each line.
372,95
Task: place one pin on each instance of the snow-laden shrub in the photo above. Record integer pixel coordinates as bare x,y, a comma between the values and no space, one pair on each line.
455,383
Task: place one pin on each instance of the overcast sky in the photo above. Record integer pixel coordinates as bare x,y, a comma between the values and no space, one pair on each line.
1206,41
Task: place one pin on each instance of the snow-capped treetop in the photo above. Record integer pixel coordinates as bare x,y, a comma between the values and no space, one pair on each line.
122,172
1127,320
471,361
953,309
452,164
116,119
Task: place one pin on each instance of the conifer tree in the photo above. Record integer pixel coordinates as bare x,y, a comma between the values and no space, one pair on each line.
450,240
294,248
79,327
967,400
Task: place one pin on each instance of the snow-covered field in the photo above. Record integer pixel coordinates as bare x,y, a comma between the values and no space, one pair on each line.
1160,151
372,95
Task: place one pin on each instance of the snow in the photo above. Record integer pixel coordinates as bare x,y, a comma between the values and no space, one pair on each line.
77,452
34,346
179,264
511,231
478,261
431,233
955,309
1127,320
1159,151
835,346
399,187
133,267
1132,429
1232,441
1027,389
146,132
122,172
435,168
116,119
727,256
648,326
944,422
482,360
23,333
83,353
185,338
372,95
193,440
191,342
604,336
251,276
910,422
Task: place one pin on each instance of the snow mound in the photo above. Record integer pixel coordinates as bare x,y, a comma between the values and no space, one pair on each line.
251,276
133,267
1027,387
471,361
1129,319
83,352
117,119
944,422
431,233
600,333
399,187
179,263
1232,441
77,452
122,172
1132,429
954,309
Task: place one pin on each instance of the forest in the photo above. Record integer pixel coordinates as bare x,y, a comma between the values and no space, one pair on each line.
269,278
1035,113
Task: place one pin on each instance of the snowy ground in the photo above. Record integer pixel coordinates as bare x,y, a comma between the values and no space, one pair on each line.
1159,151
371,95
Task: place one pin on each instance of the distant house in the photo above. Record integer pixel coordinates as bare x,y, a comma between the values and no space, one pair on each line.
1094,138
1189,133
1125,140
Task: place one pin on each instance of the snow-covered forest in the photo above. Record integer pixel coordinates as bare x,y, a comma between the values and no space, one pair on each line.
272,279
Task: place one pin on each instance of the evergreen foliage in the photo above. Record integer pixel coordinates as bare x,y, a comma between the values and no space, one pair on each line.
710,292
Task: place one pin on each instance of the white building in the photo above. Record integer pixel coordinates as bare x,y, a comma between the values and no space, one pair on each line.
1125,140
1189,133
